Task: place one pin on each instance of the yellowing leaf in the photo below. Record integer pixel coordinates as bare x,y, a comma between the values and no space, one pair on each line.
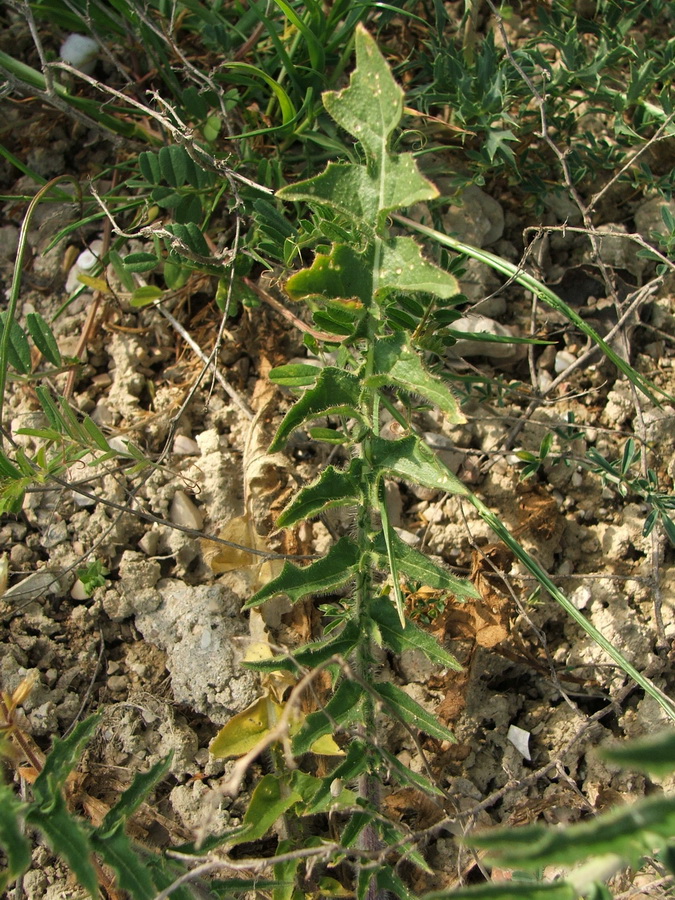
246,729
326,746
98,284
221,558
257,651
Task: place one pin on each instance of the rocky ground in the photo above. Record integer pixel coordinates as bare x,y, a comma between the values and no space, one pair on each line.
158,646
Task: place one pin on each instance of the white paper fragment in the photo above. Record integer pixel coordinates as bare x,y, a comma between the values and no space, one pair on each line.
520,740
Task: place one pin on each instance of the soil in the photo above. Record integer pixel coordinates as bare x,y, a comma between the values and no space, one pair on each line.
157,648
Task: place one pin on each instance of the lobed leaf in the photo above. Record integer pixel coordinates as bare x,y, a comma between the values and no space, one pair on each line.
411,459
654,754
371,106
403,268
61,760
334,487
313,654
66,836
132,798
396,362
404,775
418,567
294,375
337,567
343,708
403,707
133,875
626,831
410,637
245,730
270,800
13,841
335,391
364,196
509,890
344,273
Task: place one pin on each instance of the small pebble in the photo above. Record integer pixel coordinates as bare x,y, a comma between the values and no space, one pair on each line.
149,543
185,446
78,591
118,683
184,512
563,360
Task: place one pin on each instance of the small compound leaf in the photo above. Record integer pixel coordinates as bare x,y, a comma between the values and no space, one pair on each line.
411,637
7,468
343,708
140,262
371,106
96,434
404,268
189,209
191,235
332,488
174,165
148,162
411,459
145,295
335,391
418,567
396,362
403,707
271,799
43,338
325,575
294,375
18,351
342,274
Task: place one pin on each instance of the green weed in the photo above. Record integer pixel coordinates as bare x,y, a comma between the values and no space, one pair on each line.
383,313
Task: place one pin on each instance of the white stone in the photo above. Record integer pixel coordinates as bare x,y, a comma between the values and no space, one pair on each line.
184,512
80,51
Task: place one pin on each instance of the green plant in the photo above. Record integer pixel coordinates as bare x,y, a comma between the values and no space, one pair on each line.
610,59
390,313
375,294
